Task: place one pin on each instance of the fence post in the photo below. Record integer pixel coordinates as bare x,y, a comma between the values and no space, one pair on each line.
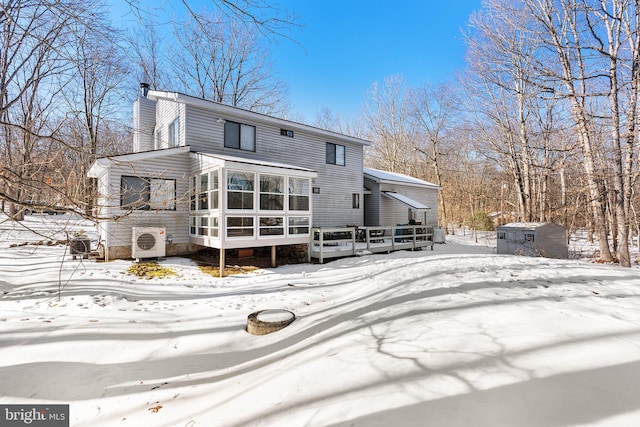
353,241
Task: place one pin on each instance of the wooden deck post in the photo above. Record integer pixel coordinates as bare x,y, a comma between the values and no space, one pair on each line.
273,256
222,262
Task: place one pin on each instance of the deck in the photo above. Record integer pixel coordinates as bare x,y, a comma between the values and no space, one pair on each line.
350,241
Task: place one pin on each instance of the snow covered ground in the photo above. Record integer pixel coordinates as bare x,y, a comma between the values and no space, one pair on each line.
455,337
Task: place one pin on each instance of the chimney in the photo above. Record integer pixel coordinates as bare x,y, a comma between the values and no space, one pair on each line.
144,89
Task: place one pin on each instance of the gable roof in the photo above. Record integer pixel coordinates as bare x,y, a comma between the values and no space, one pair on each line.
385,177
252,115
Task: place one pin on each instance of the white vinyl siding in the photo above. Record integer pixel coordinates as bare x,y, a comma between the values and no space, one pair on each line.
172,167
144,122
393,212
333,206
168,124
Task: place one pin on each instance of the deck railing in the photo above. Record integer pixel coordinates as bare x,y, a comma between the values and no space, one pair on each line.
349,241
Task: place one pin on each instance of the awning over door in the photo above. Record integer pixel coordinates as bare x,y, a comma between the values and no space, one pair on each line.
406,201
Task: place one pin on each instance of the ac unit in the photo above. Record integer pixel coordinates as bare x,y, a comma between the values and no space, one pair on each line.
148,242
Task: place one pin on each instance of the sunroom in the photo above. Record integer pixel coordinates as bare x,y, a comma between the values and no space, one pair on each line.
244,203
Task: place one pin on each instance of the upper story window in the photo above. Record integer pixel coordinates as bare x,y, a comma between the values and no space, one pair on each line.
239,136
286,132
174,133
141,193
335,154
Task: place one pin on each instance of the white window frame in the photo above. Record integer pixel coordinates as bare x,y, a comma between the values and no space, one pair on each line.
339,153
282,194
251,227
291,226
246,137
242,191
270,227
291,192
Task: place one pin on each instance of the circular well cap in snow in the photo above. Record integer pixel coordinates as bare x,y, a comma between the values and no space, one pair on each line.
267,321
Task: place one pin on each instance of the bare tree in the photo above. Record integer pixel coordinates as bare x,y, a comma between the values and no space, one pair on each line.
92,95
497,51
146,55
434,108
225,61
387,118
608,43
268,18
587,39
33,33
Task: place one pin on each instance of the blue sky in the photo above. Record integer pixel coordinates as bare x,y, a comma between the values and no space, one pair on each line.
344,46
349,45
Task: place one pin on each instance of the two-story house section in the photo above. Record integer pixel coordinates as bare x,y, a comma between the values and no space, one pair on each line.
211,175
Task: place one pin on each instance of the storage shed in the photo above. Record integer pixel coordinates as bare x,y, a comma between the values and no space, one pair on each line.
533,239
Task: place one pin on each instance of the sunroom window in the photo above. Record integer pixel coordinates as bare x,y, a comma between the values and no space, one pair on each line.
214,188
298,225
271,226
240,226
204,192
240,187
298,194
203,228
271,192
193,194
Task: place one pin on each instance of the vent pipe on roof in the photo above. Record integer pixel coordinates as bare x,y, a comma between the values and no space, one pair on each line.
144,89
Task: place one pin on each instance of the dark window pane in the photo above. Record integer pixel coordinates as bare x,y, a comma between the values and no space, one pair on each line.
299,203
271,221
134,192
331,153
231,134
234,200
204,203
272,231
247,200
271,202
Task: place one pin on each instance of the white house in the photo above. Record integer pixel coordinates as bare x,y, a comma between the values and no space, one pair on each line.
204,174
393,198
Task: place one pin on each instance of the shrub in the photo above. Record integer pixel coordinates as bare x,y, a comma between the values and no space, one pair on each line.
482,222
151,270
